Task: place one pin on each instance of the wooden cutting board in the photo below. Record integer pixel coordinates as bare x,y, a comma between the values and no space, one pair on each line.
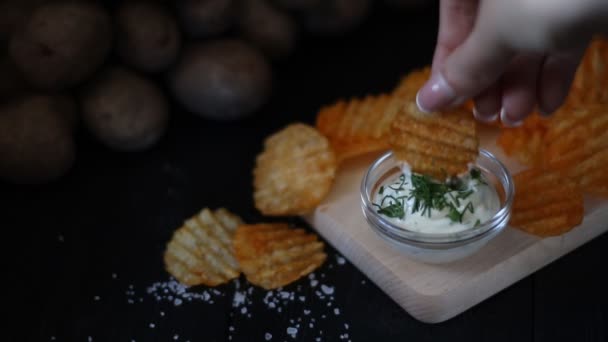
435,293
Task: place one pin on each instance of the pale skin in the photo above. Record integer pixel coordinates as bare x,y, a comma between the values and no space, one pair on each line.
509,56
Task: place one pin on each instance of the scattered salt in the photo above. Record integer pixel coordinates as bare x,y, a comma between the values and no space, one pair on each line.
327,289
291,331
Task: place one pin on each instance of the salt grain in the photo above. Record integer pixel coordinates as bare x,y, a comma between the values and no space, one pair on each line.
340,260
152,325
268,336
291,331
176,336
337,311
327,289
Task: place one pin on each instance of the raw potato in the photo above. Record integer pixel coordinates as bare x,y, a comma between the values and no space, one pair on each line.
12,82
147,35
206,17
270,29
335,17
13,13
36,143
222,80
62,43
124,111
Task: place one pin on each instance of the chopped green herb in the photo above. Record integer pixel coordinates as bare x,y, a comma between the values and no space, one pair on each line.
476,175
381,190
477,223
454,215
394,210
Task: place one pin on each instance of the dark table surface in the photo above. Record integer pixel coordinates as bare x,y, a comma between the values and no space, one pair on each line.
83,256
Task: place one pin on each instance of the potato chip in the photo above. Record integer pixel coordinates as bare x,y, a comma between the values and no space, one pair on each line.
590,83
200,252
525,143
274,255
438,145
546,203
295,171
356,127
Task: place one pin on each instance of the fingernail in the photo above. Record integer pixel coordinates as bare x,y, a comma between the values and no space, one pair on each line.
435,94
422,109
504,118
484,118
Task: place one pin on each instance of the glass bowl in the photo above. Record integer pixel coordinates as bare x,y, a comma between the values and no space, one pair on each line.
438,248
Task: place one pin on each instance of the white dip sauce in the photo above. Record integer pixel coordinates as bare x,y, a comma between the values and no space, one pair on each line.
421,204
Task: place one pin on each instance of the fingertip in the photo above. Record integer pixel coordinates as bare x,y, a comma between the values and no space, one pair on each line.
556,76
436,94
508,121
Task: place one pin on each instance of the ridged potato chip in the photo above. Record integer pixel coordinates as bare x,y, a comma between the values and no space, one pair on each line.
528,143
275,255
546,203
200,252
590,84
438,145
295,171
357,126
577,143
525,143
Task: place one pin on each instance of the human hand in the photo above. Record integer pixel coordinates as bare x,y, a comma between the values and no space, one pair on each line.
509,55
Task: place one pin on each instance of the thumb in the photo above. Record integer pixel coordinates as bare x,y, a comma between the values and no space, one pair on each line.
472,67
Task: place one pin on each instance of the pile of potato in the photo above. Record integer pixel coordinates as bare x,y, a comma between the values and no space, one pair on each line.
66,62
